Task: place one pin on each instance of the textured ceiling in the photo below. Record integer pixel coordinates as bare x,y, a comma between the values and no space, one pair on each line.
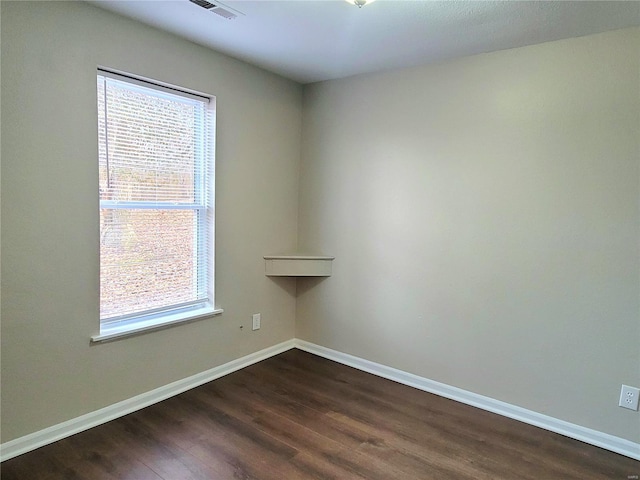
309,41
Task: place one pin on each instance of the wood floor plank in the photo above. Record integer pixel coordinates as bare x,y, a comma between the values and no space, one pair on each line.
317,432
451,440
397,433
333,455
164,457
466,426
49,461
299,416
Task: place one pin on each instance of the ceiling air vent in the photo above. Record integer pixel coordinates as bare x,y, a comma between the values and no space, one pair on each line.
216,8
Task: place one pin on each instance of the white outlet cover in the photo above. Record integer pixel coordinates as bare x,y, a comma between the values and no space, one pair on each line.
256,321
629,397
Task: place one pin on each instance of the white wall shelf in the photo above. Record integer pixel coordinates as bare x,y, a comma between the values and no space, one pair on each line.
297,265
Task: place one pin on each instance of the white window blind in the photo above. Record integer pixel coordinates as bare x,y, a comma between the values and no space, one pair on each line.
156,200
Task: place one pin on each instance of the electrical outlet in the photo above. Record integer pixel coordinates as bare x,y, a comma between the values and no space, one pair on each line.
256,323
629,397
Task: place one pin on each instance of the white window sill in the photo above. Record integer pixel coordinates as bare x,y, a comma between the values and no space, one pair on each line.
120,331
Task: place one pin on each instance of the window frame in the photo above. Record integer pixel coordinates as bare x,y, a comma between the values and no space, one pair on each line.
157,318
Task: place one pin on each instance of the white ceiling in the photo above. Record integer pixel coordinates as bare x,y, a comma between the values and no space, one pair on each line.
311,40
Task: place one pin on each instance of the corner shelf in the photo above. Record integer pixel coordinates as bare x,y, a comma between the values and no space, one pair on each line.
297,265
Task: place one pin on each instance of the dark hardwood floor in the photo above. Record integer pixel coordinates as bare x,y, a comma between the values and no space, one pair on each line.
299,416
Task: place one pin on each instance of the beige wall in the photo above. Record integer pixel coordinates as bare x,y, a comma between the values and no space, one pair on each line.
484,218
484,215
50,52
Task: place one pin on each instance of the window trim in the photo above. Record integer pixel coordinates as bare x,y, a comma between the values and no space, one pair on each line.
162,86
151,320
127,329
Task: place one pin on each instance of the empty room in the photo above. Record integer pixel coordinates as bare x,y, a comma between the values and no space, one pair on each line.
320,240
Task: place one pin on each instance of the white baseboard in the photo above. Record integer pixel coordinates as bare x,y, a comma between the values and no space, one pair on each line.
51,434
587,435
62,430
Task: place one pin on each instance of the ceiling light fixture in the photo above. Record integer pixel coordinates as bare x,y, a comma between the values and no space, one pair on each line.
360,3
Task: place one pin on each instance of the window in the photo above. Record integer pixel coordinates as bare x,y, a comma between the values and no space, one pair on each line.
155,156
